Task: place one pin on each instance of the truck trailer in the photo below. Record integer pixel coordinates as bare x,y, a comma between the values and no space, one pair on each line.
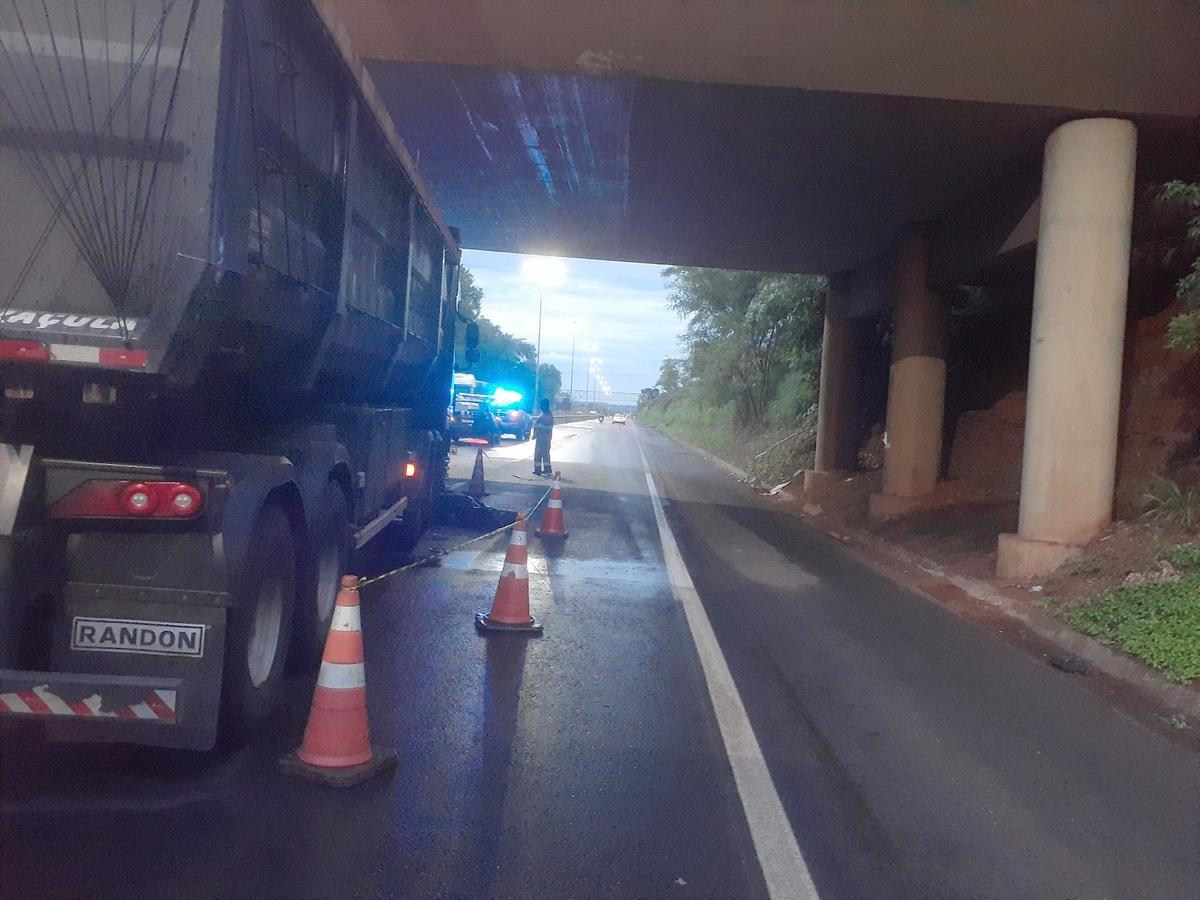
227,317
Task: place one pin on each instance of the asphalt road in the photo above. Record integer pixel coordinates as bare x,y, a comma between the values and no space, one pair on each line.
868,742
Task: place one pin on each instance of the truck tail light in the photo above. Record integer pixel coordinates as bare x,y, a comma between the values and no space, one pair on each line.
30,351
129,500
410,470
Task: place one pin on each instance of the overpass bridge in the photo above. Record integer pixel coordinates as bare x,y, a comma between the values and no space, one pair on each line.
899,146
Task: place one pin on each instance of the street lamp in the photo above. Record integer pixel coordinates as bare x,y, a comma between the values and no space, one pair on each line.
544,271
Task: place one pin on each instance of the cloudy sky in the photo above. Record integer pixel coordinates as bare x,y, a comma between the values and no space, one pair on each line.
617,312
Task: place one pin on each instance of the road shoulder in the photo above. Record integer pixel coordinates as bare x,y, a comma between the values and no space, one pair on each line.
1171,710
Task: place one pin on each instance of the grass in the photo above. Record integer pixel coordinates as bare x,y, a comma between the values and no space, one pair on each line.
713,429
1158,622
1171,502
1185,557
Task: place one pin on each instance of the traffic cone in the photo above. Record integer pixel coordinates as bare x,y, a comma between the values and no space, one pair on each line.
336,750
552,521
477,487
510,608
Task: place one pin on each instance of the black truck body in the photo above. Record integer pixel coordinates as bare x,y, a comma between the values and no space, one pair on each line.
226,347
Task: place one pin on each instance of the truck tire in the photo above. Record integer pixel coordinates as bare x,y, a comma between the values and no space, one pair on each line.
330,560
260,625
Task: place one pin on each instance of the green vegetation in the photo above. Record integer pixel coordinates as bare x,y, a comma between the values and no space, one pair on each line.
1185,557
747,389
503,359
1158,622
1184,330
1169,501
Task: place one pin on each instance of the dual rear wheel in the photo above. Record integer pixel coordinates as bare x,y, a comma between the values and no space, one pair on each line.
263,620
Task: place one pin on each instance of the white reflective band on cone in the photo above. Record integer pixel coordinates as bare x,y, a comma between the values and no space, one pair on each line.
342,676
346,618
554,504
518,569
520,539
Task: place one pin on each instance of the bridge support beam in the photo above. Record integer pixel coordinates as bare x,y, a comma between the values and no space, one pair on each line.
1076,354
837,413
916,389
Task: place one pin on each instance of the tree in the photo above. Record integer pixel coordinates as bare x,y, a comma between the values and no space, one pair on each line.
470,295
1184,330
746,331
503,359
670,375
648,394
550,384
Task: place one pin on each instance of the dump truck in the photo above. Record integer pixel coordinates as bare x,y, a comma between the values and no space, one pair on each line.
227,330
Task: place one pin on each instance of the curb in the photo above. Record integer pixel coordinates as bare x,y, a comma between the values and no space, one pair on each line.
1174,697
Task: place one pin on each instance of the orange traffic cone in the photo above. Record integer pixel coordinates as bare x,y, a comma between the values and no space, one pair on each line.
510,609
552,521
477,488
336,749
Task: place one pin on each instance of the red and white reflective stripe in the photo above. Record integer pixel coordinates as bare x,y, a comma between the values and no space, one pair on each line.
159,706
554,504
99,356
519,539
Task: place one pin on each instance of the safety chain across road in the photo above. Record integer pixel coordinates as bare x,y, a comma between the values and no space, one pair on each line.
436,556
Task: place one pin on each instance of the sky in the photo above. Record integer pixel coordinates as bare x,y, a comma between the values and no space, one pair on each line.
617,313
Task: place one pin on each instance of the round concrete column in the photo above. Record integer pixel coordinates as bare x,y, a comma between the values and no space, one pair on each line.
837,415
1076,351
916,389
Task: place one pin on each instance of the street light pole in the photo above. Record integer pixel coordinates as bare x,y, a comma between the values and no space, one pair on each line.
572,370
537,366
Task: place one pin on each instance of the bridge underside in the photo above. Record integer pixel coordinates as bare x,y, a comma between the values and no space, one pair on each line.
649,170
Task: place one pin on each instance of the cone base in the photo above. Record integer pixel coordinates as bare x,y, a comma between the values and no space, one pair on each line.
382,760
477,496
552,534
487,625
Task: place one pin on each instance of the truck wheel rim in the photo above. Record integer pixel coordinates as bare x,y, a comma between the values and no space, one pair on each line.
264,634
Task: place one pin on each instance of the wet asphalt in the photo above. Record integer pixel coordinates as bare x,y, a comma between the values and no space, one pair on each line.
914,755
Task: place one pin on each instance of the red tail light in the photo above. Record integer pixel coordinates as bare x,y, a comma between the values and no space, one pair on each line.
410,470
31,351
127,359
129,499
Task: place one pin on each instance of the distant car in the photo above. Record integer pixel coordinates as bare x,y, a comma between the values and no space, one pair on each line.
516,422
620,419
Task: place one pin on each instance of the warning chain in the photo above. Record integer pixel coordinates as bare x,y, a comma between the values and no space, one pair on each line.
433,558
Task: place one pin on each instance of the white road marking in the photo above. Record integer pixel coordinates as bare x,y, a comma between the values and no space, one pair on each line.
779,856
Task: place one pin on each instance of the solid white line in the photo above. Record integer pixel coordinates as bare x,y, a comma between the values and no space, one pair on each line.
779,857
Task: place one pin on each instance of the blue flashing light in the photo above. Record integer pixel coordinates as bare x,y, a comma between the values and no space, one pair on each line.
504,397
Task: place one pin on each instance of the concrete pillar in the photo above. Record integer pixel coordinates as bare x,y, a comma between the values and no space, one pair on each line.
916,388
1076,351
837,411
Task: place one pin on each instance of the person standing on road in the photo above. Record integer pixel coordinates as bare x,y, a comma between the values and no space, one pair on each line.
543,431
